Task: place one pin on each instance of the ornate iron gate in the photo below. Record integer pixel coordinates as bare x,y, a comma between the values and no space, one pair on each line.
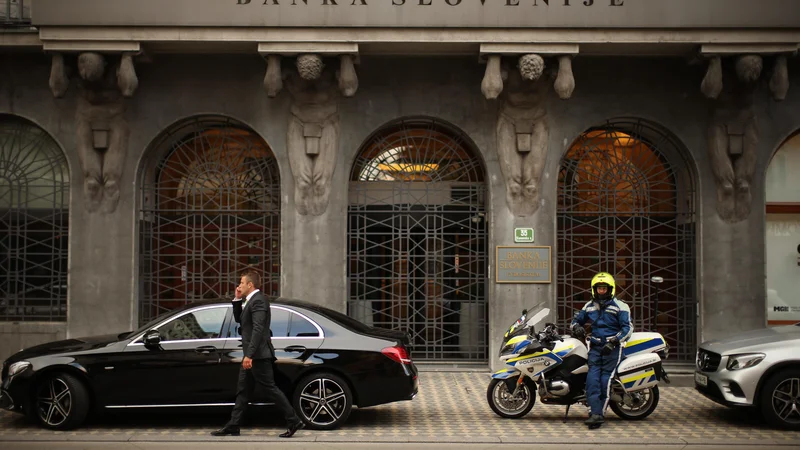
417,234
34,223
626,205
210,210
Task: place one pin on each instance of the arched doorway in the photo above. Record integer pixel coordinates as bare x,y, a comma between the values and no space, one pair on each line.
783,233
626,205
210,209
34,223
417,239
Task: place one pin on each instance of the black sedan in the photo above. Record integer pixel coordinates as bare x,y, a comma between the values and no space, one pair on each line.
190,358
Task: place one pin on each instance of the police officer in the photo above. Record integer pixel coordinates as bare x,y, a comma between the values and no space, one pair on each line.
610,319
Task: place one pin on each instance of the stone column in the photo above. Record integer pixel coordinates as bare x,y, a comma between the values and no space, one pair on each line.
522,83
314,248
733,284
100,301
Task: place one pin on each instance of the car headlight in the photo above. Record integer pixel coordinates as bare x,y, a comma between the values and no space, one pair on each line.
737,362
17,367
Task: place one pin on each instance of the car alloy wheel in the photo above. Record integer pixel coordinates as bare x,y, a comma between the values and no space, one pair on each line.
779,399
54,402
786,400
62,402
323,401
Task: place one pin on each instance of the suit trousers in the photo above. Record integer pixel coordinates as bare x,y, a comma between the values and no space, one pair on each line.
262,374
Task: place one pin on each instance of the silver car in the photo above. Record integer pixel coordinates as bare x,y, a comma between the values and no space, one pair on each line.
759,369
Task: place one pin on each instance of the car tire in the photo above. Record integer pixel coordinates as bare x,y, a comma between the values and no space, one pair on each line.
323,401
61,402
778,393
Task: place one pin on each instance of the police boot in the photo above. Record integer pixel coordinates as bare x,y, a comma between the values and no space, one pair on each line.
595,421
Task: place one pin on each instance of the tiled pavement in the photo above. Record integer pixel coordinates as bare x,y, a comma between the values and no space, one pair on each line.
451,407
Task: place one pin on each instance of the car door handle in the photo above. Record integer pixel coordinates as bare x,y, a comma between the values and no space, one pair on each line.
295,348
206,349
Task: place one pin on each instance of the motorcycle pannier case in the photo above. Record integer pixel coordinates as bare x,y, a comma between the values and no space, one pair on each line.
639,372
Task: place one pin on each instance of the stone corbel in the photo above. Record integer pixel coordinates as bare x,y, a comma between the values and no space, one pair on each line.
308,59
127,80
748,66
531,64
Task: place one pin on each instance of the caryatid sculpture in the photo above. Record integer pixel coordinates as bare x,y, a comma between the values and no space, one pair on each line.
522,132
100,125
733,128
312,138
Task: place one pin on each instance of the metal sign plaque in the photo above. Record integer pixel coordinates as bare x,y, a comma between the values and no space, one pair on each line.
523,264
523,235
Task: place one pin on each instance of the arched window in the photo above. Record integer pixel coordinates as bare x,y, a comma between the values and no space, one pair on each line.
34,223
210,210
417,239
626,206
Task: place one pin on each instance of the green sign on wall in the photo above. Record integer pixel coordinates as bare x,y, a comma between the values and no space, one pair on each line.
524,235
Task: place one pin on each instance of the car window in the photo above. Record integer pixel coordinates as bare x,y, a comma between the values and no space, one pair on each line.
279,324
301,327
202,324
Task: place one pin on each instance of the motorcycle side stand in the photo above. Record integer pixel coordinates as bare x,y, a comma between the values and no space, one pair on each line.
566,414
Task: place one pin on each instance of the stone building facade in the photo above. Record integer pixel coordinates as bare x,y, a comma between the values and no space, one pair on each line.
378,157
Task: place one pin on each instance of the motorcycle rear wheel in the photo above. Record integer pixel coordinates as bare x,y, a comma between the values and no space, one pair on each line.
639,410
503,405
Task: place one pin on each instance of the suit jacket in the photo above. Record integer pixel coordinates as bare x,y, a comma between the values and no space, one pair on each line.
255,320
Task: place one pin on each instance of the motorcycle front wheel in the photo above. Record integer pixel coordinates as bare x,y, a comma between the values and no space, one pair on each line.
635,405
506,406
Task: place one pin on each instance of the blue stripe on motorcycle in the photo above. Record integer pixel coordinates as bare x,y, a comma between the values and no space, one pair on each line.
643,346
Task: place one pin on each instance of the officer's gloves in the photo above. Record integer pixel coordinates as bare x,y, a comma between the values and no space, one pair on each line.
611,343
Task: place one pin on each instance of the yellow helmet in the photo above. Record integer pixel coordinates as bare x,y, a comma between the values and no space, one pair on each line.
604,278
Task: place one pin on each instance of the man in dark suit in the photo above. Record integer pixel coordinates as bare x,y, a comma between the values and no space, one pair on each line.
257,364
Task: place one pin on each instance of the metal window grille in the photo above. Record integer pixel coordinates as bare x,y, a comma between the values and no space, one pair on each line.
210,210
34,224
626,205
417,239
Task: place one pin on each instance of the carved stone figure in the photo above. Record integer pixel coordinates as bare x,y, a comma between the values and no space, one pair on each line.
531,67
100,125
522,136
312,137
733,134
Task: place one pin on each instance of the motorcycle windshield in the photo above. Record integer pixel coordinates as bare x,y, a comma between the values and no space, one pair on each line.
538,317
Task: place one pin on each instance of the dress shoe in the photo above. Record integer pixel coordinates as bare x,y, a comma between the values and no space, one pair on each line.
292,430
226,431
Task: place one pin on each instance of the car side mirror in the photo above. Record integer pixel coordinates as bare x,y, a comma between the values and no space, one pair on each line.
152,339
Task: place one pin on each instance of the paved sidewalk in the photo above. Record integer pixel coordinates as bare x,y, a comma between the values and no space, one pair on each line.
451,407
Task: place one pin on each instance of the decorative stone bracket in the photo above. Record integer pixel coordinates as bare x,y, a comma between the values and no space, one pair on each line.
100,125
748,66
530,64
309,63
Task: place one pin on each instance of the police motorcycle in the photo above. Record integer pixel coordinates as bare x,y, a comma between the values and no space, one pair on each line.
556,366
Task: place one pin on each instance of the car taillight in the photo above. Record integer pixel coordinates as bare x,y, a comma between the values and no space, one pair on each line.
398,354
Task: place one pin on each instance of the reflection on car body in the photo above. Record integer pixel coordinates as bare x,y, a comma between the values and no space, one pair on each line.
190,358
758,369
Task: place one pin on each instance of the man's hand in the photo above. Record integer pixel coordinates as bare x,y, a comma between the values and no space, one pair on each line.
247,363
238,293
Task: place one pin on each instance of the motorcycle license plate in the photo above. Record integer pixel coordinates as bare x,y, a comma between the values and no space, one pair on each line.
700,379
